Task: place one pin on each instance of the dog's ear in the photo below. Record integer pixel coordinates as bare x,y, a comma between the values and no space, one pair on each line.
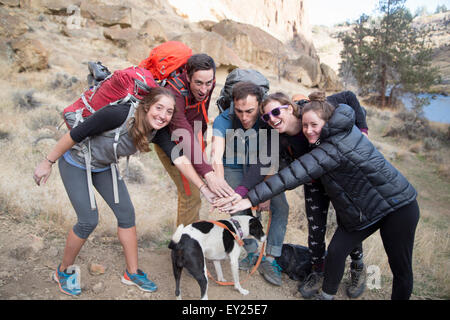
255,228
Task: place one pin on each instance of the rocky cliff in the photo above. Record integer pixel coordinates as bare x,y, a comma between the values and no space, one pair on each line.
64,34
283,19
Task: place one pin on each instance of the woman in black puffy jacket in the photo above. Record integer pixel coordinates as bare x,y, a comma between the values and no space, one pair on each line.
369,194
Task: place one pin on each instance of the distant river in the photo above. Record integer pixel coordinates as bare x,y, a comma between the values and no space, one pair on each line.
438,110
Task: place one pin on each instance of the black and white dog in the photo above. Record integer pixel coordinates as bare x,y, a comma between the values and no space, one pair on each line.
193,243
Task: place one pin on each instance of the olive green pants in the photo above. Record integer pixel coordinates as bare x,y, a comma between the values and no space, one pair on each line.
188,205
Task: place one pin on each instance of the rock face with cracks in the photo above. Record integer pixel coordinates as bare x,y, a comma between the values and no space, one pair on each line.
277,41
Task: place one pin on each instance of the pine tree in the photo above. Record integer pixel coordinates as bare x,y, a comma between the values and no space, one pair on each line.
387,55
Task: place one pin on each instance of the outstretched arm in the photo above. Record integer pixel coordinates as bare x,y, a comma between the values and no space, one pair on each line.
44,168
217,151
185,166
302,170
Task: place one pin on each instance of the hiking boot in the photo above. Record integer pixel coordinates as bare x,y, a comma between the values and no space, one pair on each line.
357,281
311,285
322,296
140,280
248,262
271,271
69,283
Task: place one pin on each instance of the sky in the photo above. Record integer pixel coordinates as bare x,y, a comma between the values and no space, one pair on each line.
330,12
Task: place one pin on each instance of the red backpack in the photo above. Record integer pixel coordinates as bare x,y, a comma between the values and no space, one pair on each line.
127,85
166,62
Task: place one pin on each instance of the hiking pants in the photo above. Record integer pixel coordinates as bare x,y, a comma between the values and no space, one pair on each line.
75,182
280,212
397,231
188,205
316,205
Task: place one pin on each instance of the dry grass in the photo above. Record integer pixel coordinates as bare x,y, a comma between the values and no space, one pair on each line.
26,137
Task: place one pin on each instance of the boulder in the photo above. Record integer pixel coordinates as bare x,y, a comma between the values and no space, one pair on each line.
301,45
329,80
213,45
106,15
305,70
120,36
152,32
252,44
29,54
12,25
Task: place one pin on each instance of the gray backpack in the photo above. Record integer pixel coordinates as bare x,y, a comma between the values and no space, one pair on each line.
225,99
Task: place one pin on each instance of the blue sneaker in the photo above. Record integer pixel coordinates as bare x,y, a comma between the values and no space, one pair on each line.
271,271
69,283
249,261
140,280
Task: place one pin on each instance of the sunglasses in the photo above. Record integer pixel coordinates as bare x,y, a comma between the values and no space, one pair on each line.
275,112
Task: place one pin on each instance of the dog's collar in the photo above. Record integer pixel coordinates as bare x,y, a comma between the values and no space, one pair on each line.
220,224
238,227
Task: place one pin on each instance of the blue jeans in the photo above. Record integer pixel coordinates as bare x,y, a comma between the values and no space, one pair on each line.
280,212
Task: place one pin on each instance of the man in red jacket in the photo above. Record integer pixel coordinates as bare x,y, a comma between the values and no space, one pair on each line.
189,123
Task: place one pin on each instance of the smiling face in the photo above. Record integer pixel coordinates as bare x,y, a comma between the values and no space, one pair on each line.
160,113
312,125
285,121
247,110
201,83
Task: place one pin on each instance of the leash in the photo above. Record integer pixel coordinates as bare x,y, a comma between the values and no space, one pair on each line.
241,243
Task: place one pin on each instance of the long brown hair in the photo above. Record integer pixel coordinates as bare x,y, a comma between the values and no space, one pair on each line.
319,104
138,127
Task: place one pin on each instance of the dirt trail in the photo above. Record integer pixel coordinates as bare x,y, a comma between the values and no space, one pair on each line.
29,254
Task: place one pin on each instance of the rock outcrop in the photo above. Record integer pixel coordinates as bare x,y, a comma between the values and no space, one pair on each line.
213,45
283,19
30,54
68,33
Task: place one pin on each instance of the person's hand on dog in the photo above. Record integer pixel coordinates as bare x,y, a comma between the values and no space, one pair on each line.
218,185
231,208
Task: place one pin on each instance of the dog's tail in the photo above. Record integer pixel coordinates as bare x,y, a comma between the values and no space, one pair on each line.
176,237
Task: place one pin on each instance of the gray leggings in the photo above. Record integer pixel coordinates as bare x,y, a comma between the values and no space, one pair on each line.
75,182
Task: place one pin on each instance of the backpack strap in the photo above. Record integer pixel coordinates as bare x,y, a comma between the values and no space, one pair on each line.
87,158
94,90
115,174
86,104
115,166
200,106
78,117
178,84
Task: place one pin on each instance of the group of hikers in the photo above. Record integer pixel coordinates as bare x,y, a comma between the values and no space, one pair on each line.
319,142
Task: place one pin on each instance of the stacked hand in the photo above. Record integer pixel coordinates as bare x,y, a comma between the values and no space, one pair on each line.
232,204
208,194
218,185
